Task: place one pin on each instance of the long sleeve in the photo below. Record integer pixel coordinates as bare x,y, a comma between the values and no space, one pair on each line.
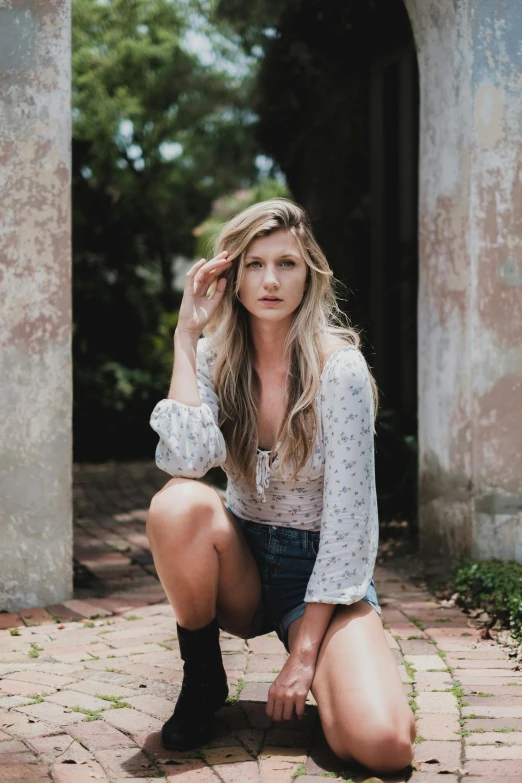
190,441
349,525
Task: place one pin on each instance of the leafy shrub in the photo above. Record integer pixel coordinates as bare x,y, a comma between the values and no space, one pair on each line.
495,585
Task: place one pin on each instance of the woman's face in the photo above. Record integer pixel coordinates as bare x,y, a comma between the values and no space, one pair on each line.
273,267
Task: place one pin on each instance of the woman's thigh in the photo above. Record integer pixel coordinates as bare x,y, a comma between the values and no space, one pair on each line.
358,689
199,543
239,591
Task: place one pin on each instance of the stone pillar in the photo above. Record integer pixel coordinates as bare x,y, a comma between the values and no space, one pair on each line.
470,289
35,304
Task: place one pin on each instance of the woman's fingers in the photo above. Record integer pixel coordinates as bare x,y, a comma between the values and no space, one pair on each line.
300,706
288,709
194,269
208,271
202,277
278,710
219,290
274,704
192,272
281,707
219,257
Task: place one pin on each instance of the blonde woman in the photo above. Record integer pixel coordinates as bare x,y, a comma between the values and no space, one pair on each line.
278,393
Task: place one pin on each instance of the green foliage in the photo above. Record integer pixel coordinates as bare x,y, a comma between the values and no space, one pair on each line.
152,116
494,585
159,132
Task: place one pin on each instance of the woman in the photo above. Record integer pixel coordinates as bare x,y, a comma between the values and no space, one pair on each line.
278,393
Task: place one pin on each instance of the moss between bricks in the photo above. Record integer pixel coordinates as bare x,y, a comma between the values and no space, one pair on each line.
235,698
410,669
33,652
91,714
37,698
116,701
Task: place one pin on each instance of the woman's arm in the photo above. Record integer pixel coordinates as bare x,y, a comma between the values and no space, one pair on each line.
316,620
350,525
190,440
290,688
184,383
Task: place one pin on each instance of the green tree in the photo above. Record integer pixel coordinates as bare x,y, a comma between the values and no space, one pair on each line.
160,130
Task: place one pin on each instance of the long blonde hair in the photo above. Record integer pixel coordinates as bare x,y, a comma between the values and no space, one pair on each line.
236,381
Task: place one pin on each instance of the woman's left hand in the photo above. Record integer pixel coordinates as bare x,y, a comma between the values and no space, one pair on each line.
290,689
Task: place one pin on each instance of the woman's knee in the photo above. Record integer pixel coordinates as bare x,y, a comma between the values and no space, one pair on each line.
389,752
179,506
382,750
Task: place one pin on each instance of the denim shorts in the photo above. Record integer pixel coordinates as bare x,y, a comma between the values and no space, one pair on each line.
285,557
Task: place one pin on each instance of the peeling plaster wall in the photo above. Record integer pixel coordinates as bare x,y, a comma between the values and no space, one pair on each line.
470,281
35,304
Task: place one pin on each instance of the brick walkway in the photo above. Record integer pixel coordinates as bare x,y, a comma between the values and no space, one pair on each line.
86,685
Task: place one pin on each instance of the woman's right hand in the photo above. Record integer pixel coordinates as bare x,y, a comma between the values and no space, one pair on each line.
196,310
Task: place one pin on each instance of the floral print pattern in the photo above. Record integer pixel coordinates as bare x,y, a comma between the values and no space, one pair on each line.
335,492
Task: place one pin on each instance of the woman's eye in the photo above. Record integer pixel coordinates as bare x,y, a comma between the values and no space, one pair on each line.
292,263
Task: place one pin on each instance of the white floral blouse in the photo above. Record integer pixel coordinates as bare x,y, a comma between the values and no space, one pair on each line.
335,492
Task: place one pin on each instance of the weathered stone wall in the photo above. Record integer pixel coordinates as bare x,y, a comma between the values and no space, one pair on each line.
35,304
470,290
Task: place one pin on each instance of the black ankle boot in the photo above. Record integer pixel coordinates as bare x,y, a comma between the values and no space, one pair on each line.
204,689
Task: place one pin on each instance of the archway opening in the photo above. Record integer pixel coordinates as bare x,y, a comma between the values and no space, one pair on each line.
339,102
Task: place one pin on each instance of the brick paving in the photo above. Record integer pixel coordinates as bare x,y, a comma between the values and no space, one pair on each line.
85,685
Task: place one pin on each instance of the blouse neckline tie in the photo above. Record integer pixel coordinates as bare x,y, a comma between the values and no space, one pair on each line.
262,474
263,471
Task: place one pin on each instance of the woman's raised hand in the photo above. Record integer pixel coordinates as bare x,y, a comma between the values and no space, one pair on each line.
196,310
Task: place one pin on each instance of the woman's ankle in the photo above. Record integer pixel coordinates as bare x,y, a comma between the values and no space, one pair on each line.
191,626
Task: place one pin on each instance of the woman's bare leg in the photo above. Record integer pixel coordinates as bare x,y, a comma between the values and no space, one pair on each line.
202,558
362,704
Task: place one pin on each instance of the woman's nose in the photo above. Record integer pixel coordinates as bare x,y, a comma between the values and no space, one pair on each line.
270,277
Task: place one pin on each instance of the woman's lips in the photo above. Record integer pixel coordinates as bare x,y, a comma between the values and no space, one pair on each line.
271,301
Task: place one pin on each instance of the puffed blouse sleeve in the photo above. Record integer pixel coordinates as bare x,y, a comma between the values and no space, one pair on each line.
190,441
349,525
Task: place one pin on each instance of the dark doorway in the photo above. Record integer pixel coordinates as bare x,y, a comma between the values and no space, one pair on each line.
338,103
393,221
